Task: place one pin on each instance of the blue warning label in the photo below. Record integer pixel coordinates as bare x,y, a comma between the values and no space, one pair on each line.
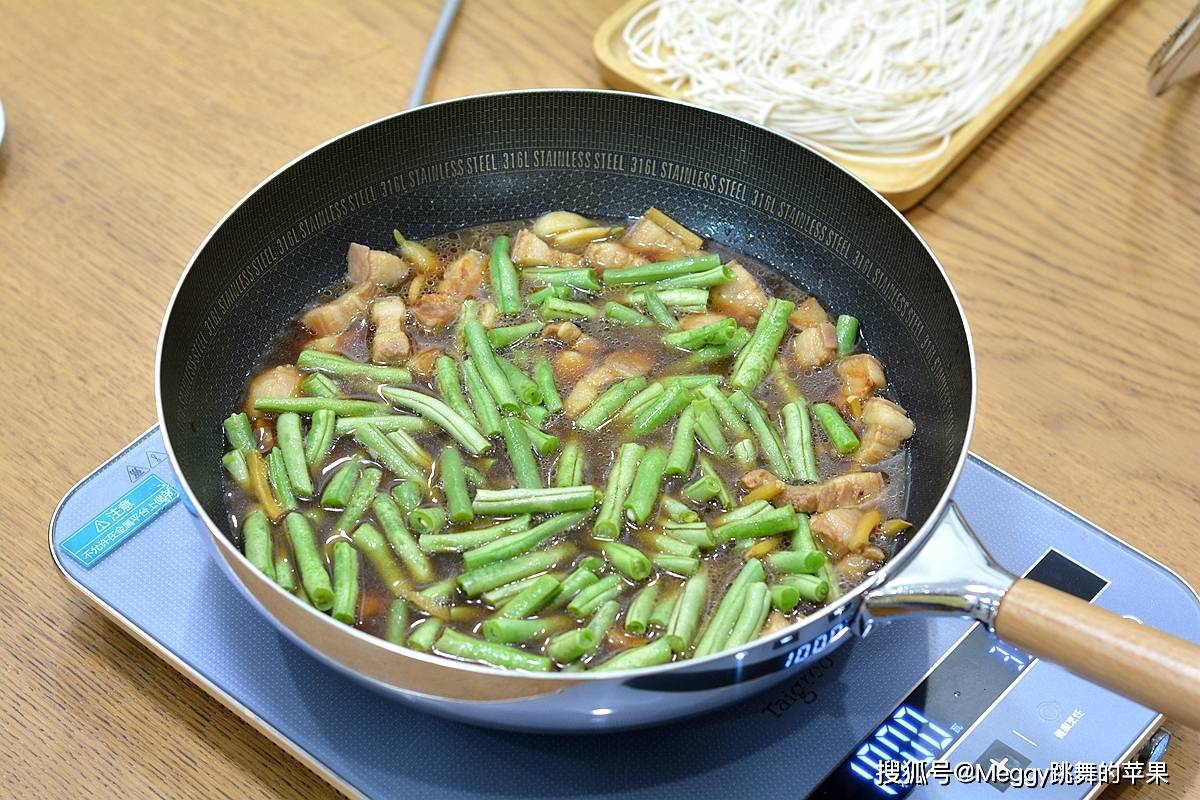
126,516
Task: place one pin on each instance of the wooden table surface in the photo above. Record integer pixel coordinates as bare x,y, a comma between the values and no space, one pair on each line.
133,126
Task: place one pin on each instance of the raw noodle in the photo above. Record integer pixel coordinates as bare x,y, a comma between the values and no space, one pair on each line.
884,81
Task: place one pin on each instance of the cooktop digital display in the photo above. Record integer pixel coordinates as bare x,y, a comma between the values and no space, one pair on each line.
950,699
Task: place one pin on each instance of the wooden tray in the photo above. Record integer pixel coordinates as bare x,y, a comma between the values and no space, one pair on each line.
904,185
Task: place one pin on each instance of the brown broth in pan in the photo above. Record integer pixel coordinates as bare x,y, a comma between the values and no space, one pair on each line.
721,562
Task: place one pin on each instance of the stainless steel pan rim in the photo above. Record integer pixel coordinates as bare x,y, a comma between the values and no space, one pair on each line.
854,596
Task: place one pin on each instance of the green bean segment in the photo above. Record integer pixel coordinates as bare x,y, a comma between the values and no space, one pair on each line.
657,309
554,308
465,540
624,315
535,299
610,403
683,446
847,334
337,491
382,559
768,440
239,433
580,278
543,376
454,486
313,575
504,593
677,564
532,599
684,623
386,423
500,338
281,484
643,492
720,625
319,439
453,643
235,465
502,502
515,631
505,283
660,411
813,588
385,451
319,385
449,384
678,511
256,542
477,581
572,645
765,523
647,655
484,360
575,583
569,471
784,598
696,534
637,617
649,273
482,402
441,415
797,436
759,353
317,361
345,583
408,494
520,453
397,622
629,561
401,540
638,402
425,634
427,519
514,544
841,437
609,520
660,617
595,595
523,386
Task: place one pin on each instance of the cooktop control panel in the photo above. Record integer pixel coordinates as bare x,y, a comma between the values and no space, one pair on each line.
948,716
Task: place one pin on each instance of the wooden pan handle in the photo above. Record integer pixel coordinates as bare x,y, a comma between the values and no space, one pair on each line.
1139,662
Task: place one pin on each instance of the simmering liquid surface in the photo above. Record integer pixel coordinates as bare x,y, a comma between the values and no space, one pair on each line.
818,385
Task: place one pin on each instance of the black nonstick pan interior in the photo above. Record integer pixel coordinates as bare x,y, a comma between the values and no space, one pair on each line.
515,155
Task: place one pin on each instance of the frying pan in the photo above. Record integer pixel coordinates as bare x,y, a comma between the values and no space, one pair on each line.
607,154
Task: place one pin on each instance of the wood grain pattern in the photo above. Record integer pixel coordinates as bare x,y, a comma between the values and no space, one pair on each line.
133,126
1136,661
904,185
